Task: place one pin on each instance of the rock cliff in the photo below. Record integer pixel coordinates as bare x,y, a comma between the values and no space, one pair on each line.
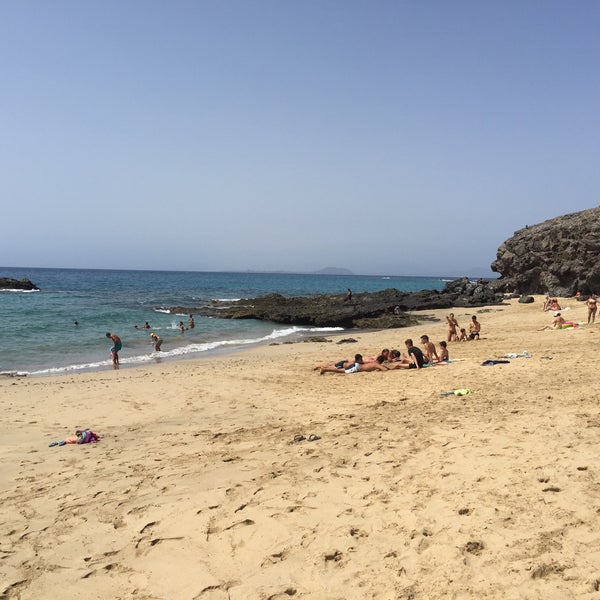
558,256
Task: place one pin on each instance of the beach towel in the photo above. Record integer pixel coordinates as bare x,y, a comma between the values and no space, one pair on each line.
487,363
459,392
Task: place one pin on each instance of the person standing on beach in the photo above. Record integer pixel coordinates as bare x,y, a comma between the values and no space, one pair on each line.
114,349
349,295
452,328
592,308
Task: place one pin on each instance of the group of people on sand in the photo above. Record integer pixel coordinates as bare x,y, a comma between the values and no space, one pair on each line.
559,322
550,304
389,360
454,328
413,358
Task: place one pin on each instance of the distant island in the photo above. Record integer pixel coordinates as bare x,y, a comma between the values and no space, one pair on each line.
333,271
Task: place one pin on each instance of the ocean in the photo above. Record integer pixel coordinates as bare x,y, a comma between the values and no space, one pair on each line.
39,336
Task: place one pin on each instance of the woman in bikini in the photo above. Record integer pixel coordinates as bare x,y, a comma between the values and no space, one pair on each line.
592,308
452,327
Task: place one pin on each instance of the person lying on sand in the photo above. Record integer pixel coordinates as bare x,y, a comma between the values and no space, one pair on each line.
345,364
359,366
340,364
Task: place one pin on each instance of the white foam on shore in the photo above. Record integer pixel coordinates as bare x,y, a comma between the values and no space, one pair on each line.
183,351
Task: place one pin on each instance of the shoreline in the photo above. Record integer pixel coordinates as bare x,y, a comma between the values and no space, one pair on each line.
198,489
223,347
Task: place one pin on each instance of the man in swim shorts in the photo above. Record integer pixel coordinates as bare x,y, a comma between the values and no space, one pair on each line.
114,349
474,328
359,366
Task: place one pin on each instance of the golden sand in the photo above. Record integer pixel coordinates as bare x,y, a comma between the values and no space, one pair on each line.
197,490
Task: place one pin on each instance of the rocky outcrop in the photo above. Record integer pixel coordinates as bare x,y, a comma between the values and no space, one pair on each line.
6,283
377,310
558,256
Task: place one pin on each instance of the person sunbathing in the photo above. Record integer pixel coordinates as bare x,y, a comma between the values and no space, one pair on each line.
345,364
359,366
340,364
557,323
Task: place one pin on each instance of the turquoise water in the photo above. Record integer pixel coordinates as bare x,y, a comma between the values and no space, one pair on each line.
38,335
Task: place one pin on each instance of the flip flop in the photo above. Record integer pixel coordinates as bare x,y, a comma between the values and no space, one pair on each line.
299,438
313,438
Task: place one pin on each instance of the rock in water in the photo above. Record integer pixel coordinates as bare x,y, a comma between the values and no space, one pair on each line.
6,283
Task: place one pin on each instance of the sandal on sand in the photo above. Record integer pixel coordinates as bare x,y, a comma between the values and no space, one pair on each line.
299,438
52,444
313,438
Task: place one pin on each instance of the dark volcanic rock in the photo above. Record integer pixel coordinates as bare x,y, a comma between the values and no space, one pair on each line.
6,283
378,310
558,256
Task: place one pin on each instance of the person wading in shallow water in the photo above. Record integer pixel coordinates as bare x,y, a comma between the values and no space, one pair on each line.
156,341
114,349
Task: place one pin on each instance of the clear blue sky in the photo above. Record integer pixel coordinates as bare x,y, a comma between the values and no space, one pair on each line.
390,137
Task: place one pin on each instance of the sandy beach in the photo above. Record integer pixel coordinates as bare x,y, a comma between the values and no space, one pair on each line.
197,489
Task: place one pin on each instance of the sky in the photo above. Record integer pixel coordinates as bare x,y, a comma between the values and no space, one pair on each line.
384,137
